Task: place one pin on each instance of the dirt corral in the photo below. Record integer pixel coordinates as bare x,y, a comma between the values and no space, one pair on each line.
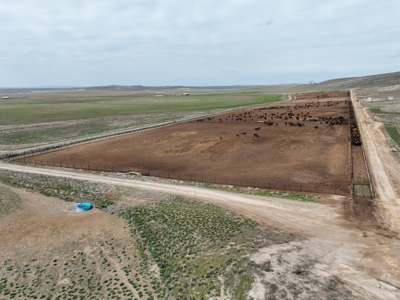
300,142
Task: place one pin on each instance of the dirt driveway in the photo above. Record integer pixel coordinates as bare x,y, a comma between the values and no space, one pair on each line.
364,257
385,170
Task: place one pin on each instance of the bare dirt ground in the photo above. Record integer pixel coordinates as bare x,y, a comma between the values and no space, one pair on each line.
361,257
43,222
49,248
229,146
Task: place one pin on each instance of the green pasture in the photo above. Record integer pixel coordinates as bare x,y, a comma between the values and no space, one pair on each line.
393,133
380,111
58,108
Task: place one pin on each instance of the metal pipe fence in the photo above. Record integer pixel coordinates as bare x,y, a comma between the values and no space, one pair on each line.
360,130
24,156
342,188
61,145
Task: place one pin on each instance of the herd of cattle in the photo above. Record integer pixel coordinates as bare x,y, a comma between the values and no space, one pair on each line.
290,116
355,136
294,115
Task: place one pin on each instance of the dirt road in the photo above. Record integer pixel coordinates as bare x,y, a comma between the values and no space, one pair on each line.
365,259
385,170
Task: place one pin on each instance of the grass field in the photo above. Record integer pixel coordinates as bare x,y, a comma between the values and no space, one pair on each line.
38,118
61,131
379,111
385,111
394,133
39,110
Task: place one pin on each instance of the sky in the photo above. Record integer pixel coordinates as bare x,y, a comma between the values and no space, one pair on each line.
195,43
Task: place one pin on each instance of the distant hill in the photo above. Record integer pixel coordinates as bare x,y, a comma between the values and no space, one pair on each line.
277,87
371,81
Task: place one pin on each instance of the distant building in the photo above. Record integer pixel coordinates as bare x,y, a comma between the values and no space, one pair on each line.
185,94
390,98
5,97
159,95
312,82
369,99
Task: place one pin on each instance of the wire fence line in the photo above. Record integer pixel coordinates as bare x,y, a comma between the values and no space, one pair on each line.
342,188
24,156
61,145
360,128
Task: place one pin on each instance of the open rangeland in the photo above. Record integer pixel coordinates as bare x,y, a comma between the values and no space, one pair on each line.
34,118
163,246
62,253
51,251
299,142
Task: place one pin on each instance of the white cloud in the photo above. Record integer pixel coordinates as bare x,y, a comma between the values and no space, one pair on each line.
183,42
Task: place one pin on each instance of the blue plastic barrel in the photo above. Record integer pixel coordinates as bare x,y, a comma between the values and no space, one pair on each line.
84,206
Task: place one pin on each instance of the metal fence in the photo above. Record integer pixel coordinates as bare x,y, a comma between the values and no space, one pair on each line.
343,188
25,156
61,145
354,120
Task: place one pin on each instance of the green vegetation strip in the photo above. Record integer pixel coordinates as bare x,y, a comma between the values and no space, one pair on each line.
393,133
197,245
362,191
380,111
70,190
257,192
361,181
75,130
